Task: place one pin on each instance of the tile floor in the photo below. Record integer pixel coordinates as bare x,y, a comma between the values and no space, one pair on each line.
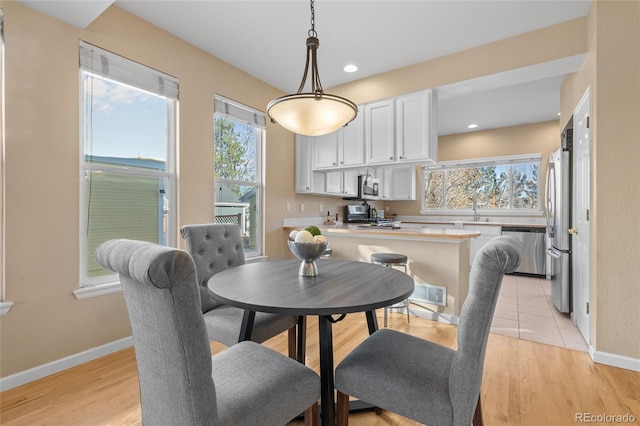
525,311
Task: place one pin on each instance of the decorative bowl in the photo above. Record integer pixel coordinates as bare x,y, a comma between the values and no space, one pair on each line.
308,253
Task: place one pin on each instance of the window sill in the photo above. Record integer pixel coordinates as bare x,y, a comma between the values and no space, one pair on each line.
97,290
4,308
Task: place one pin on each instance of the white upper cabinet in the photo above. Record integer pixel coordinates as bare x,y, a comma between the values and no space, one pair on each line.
351,142
304,174
343,183
325,150
379,131
416,135
397,183
403,183
402,129
342,148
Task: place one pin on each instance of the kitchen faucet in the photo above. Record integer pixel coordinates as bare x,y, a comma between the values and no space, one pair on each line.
475,210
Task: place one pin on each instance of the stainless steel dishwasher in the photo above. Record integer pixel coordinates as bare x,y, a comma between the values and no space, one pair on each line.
533,262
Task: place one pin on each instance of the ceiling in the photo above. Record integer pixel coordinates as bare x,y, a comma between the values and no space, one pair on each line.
266,39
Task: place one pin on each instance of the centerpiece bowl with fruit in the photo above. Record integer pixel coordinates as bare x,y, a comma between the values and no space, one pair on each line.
307,245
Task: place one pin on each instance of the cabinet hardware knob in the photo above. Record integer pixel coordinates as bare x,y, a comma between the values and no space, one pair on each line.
573,231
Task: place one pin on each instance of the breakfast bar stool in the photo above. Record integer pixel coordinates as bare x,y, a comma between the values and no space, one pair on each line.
390,260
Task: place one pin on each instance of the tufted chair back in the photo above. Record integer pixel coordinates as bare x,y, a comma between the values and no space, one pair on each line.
214,248
169,334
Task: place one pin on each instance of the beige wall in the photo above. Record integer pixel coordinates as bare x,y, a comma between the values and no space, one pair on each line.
47,323
611,74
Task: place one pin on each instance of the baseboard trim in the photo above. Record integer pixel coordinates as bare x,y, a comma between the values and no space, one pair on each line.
427,313
614,360
53,367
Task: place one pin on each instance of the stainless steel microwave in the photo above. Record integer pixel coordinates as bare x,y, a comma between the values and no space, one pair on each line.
368,187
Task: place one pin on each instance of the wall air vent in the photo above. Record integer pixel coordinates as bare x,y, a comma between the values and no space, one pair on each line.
429,293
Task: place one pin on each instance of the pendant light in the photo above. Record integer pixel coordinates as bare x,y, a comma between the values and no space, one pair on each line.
311,113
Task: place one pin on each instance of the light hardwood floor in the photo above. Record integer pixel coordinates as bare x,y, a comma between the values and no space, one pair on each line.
525,383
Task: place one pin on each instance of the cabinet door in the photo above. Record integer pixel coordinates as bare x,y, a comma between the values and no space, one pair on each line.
384,176
380,131
414,136
487,233
403,183
350,183
325,150
351,143
333,183
304,174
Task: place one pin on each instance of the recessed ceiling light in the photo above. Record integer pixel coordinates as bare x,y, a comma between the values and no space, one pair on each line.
350,68
472,126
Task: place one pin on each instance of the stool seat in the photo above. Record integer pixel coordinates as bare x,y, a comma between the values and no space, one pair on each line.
388,258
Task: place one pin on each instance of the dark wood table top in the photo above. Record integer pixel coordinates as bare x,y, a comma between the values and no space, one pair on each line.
341,287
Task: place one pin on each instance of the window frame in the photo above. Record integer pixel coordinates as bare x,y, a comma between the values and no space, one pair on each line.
507,160
106,284
238,112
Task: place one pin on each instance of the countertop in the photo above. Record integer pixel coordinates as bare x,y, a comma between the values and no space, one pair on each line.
356,229
478,223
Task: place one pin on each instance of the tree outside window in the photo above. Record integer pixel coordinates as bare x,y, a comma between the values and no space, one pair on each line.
491,186
238,182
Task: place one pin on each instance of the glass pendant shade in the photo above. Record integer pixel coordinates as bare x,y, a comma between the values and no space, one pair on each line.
312,113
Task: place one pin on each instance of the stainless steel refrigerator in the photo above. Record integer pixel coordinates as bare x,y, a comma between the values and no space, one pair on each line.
558,197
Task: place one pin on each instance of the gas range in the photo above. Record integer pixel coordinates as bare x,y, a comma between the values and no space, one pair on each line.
356,213
368,220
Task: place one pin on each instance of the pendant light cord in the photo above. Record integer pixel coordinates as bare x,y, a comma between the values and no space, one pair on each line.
312,31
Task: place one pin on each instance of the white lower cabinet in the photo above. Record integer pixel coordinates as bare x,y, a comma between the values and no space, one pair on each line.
487,233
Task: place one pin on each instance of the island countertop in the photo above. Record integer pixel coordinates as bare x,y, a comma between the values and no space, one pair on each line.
387,232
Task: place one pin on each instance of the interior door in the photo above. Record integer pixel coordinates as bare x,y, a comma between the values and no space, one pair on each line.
581,212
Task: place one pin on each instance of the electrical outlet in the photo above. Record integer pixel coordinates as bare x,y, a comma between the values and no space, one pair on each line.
386,209
321,208
288,207
301,208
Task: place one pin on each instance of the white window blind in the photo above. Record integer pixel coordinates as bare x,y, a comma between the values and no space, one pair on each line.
114,67
239,112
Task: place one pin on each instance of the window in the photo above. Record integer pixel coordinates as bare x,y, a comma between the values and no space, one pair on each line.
238,144
127,161
504,184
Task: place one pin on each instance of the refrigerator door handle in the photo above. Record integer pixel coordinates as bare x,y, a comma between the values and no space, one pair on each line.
556,254
551,199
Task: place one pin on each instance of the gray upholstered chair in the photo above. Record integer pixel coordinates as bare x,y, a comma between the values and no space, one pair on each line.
180,382
422,380
214,248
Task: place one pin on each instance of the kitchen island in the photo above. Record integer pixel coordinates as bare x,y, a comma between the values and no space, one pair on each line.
438,257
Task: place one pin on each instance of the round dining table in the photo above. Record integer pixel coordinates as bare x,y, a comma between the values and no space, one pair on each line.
341,287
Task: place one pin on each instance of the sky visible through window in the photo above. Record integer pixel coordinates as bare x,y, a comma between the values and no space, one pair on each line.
127,122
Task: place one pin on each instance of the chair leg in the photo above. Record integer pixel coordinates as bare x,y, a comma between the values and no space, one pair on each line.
477,416
291,333
311,415
342,409
385,317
